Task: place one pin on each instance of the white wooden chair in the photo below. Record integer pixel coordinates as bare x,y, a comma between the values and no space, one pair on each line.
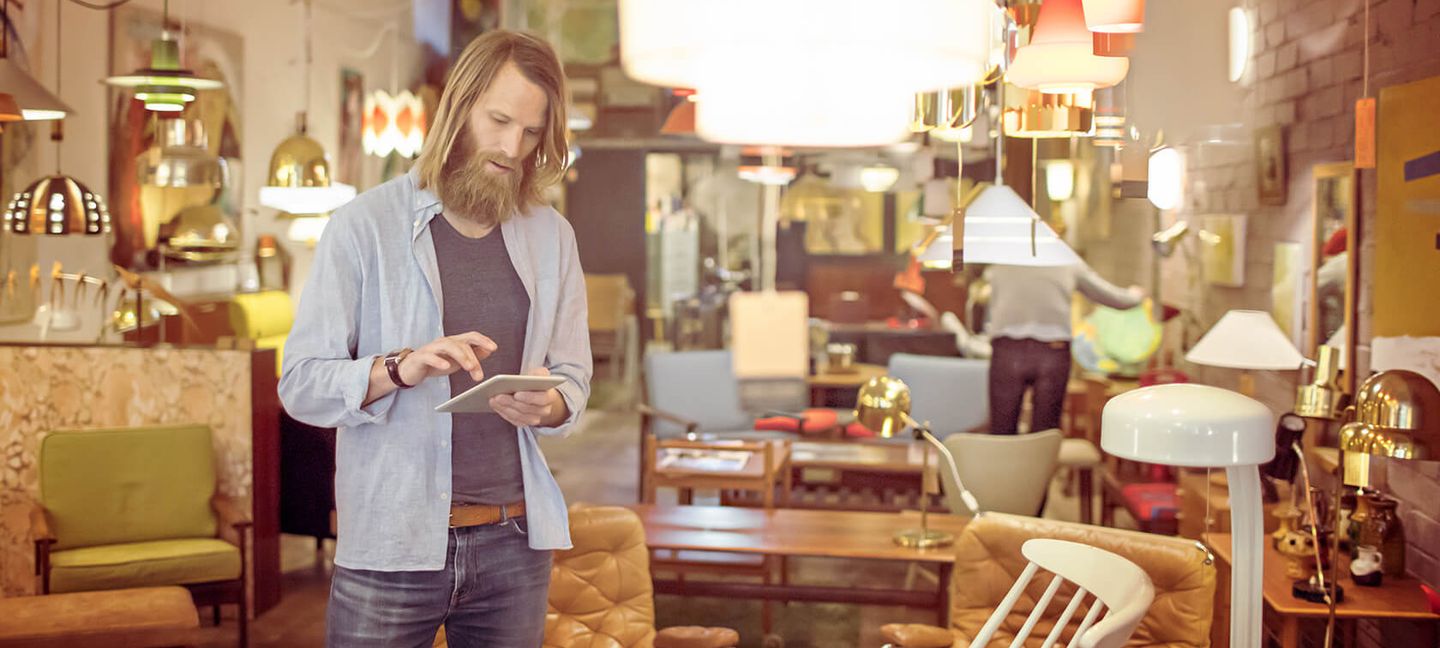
1119,594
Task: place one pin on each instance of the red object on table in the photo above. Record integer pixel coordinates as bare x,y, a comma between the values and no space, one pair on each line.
811,420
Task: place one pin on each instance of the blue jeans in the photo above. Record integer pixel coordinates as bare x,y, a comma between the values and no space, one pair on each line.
490,593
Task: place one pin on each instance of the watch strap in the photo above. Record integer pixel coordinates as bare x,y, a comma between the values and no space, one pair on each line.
392,367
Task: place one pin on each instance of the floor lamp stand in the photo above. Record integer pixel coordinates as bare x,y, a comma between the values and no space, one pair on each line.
1247,568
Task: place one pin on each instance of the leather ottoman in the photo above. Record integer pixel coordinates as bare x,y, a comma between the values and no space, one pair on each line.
150,617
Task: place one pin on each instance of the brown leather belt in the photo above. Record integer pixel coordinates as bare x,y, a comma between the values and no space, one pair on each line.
467,515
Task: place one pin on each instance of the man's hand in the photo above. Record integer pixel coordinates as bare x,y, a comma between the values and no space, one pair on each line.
447,355
532,408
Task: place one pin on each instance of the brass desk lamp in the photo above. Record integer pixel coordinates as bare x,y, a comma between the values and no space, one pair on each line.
1395,414
883,406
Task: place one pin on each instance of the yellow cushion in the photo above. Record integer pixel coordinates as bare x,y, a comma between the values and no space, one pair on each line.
144,564
262,314
113,486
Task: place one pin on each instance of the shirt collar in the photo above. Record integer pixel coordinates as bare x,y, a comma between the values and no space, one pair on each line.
425,205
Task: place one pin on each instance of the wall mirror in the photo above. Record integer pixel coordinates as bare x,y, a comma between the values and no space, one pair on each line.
1334,202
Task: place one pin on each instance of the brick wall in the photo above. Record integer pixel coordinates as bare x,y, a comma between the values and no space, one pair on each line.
1305,75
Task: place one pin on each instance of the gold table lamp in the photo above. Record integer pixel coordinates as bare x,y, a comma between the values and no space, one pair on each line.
1396,415
883,406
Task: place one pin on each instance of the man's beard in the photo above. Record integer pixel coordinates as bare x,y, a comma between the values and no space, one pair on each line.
469,190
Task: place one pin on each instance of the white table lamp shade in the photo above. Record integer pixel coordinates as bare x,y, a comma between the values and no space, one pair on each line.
1246,339
1188,425
998,229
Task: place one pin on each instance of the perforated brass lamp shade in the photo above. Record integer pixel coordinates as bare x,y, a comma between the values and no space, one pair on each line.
1397,415
57,205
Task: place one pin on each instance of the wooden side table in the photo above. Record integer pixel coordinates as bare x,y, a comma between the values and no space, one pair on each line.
1397,599
838,389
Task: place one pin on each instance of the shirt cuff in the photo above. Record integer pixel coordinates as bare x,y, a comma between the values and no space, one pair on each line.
358,385
574,398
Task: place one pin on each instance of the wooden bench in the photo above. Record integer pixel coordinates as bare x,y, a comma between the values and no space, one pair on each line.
150,617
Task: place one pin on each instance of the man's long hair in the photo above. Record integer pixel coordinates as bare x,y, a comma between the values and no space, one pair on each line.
471,76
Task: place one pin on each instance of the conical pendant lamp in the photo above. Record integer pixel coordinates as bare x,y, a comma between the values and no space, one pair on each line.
27,99
1061,55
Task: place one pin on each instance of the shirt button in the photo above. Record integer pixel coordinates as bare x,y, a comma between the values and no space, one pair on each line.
444,496
444,444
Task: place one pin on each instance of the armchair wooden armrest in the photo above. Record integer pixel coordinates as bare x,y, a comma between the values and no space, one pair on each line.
233,520
648,414
696,637
40,524
916,635
44,537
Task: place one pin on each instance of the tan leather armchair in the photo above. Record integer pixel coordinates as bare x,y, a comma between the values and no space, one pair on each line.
988,561
601,593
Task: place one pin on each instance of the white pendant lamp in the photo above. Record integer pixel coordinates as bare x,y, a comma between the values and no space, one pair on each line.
1001,228
1061,55
1115,16
805,72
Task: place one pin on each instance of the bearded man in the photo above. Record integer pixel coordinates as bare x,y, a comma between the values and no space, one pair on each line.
420,288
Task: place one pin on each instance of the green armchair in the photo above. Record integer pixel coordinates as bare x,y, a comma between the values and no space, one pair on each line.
138,507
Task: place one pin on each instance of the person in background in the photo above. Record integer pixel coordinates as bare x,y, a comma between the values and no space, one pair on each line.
449,519
1030,331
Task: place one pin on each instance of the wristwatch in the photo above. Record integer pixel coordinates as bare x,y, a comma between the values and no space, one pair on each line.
392,366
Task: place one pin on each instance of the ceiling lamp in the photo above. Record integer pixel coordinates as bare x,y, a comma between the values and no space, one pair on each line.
1059,180
878,178
202,233
164,86
1167,178
393,124
681,120
299,181
306,230
1041,115
57,205
181,158
1001,228
1110,116
9,110
1115,16
35,103
848,80
767,174
1060,57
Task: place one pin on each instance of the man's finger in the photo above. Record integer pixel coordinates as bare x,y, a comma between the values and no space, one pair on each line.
539,371
474,338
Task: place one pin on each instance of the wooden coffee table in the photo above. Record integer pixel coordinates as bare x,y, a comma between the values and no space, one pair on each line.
784,533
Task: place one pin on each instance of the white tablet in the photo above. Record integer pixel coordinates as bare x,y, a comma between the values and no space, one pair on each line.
477,398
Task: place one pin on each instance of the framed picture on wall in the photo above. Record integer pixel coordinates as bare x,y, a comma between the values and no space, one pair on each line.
1270,169
1223,249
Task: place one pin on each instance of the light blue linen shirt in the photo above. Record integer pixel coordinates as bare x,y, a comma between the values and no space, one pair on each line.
375,287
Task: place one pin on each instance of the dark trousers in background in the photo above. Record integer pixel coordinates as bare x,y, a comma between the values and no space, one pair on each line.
1020,364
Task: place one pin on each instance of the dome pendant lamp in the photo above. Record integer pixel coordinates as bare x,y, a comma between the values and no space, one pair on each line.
1060,57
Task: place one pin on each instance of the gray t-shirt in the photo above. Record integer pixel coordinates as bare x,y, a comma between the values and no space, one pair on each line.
482,293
